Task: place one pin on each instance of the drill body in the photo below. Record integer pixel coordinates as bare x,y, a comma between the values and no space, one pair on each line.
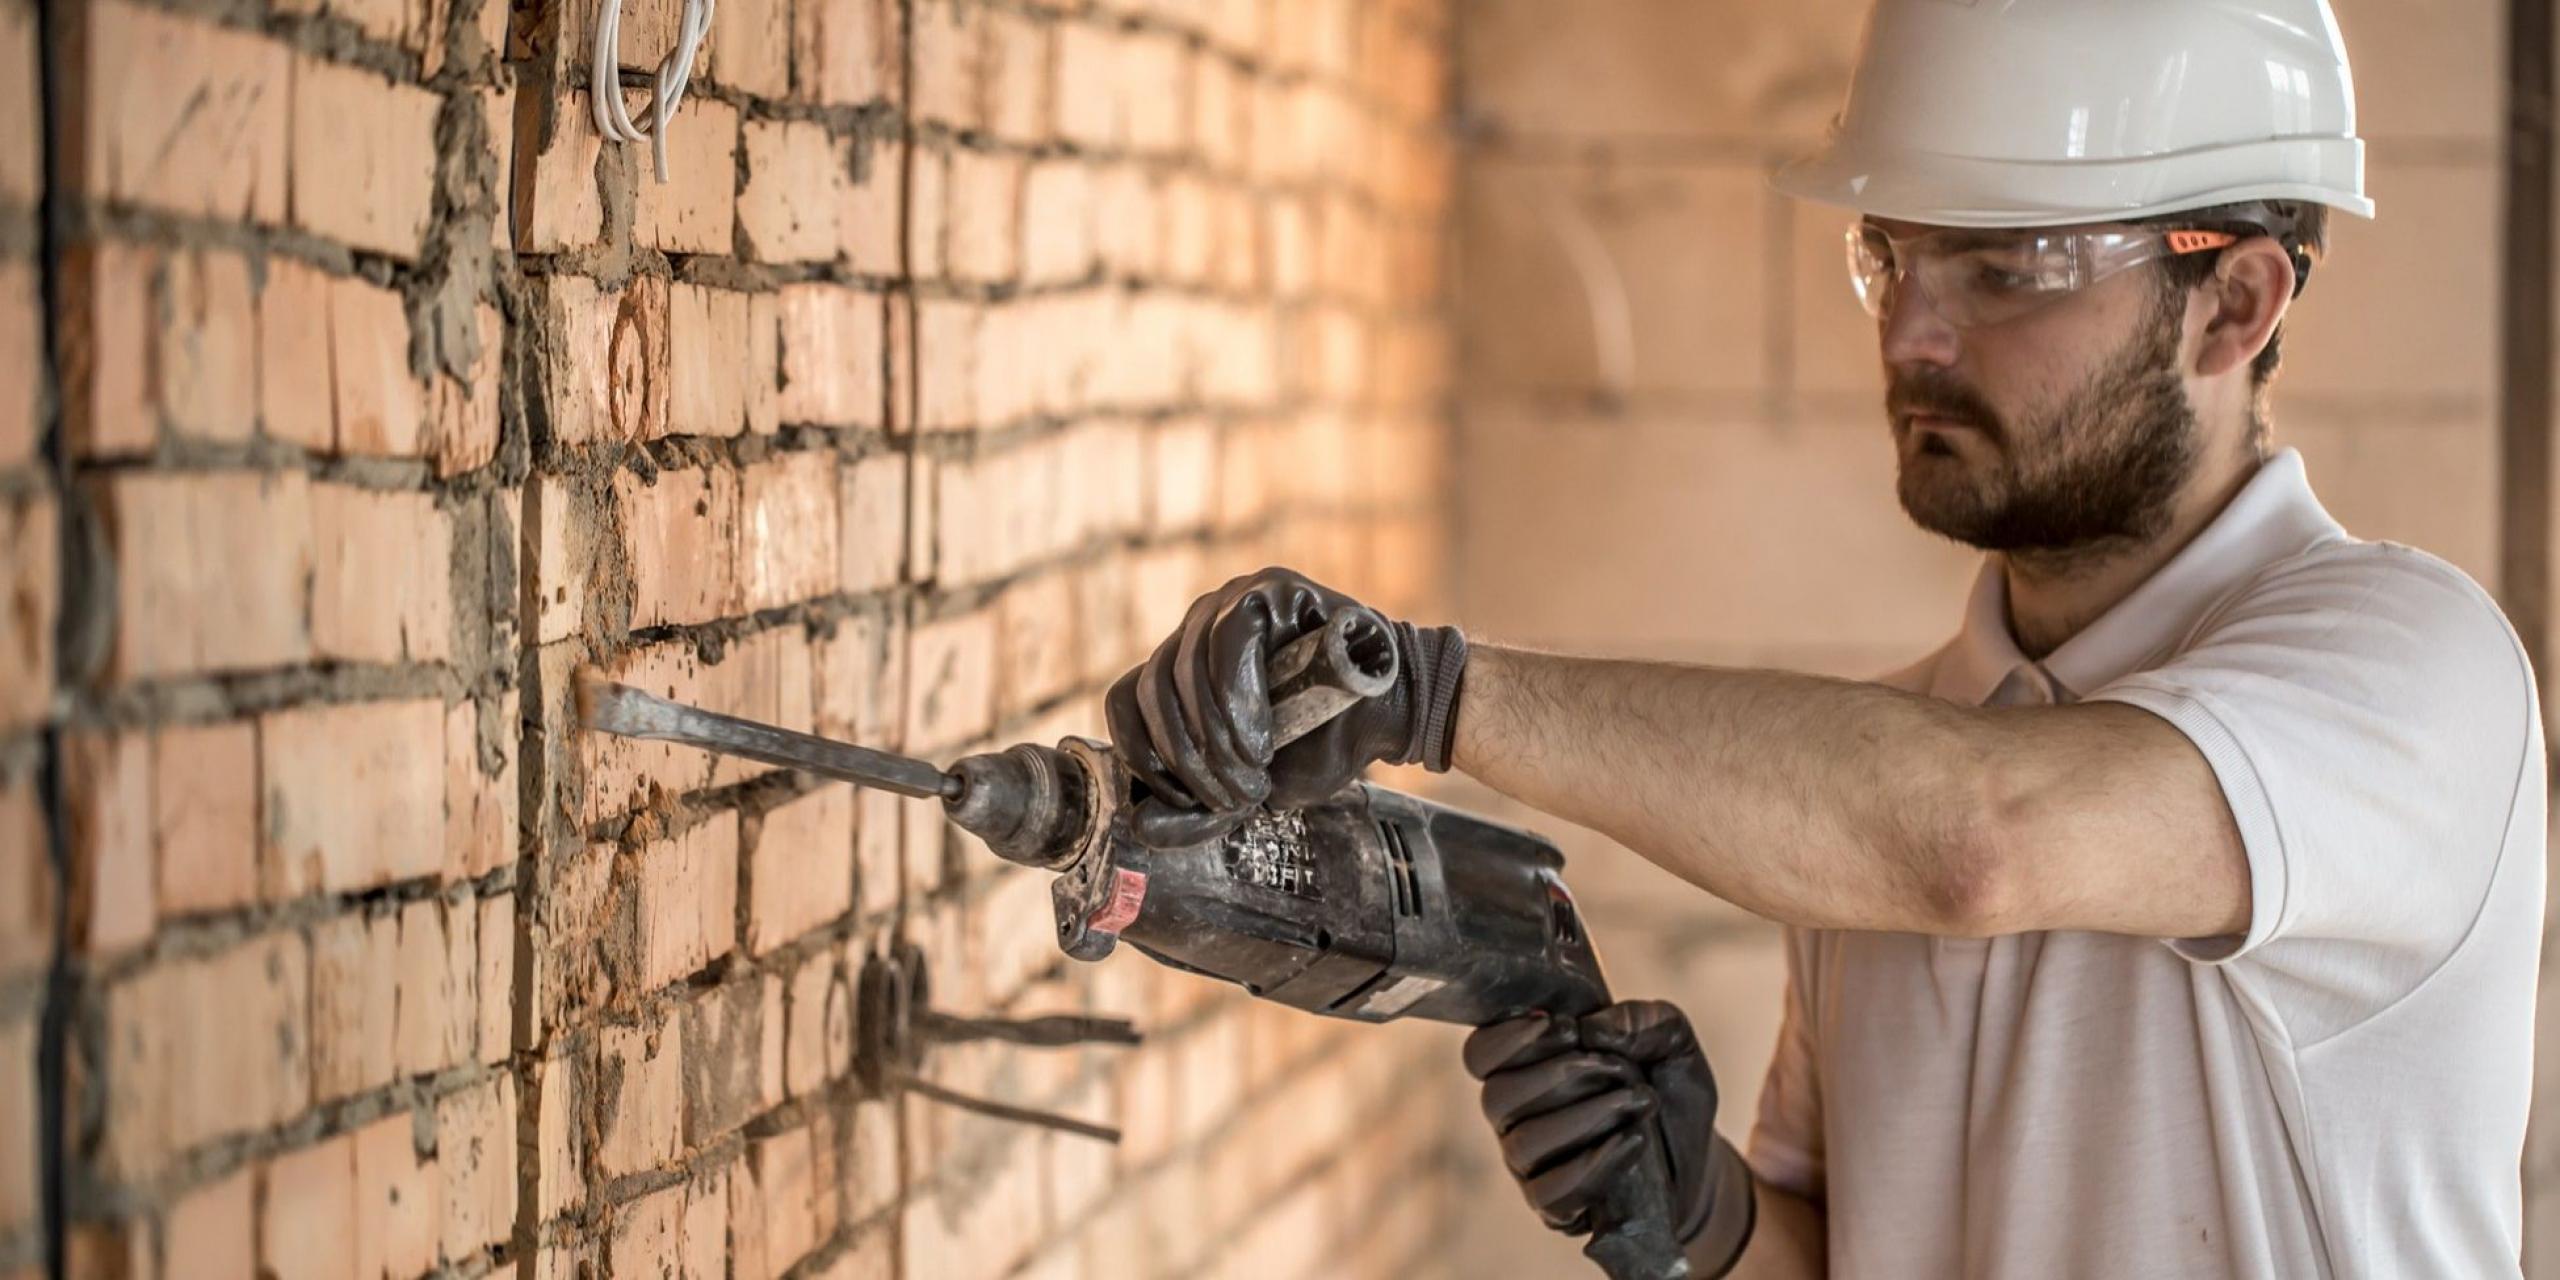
1372,905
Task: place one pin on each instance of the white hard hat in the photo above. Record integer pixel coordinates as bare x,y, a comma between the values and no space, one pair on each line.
2013,113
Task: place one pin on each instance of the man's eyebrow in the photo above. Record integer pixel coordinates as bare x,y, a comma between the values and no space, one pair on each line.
1973,238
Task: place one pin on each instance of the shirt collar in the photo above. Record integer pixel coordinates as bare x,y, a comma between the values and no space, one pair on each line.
2274,516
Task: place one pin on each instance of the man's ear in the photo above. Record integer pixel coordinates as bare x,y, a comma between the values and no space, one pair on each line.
2251,286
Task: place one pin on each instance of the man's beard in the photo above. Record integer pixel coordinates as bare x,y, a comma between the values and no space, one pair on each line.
2100,472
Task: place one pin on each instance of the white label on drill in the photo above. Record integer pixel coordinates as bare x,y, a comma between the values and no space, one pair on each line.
1400,995
1128,893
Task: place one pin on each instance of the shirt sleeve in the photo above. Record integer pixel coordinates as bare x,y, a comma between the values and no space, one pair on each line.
1786,1141
2367,712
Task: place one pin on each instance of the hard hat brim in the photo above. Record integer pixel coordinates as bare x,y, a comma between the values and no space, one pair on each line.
1969,191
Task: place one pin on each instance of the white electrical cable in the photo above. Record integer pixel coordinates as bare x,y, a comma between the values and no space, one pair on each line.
665,92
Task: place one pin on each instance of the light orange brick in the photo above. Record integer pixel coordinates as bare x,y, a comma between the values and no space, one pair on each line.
732,1055
307,1213
553,202
211,570
788,208
799,867
30,579
26,879
1016,54
608,377
213,1228
564,534
434,1014
1057,222
185,116
860,672
348,797
696,209
928,175
818,1043
832,356
382,587
1087,84
688,901
647,1233
639,1094
951,681
726,349
982,216
702,1247
20,1111
479,801
378,404
750,47
296,402
682,538
22,145
1153,84
1036,656
845,52
772,1214
399,1210
355,1005
364,157
463,414
108,308
788,530
113,905
948,57
204,815
204,354
874,522
21,359
872,212
200,1048
496,939
476,1168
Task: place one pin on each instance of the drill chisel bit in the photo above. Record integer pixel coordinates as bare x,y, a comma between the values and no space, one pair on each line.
620,709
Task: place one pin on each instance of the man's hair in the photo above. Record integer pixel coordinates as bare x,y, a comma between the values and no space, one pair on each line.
2300,227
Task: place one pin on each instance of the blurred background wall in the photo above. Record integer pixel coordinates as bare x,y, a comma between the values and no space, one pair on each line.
1671,440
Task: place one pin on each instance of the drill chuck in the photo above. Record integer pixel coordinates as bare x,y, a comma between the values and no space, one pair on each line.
1032,804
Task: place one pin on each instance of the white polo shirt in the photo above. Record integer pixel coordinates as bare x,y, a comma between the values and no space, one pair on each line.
2341,1092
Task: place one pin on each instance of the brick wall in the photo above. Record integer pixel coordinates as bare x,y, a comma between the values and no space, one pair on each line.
967,342
30,580
1649,332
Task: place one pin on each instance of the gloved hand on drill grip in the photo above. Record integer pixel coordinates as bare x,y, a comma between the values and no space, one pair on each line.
1194,720
1582,1105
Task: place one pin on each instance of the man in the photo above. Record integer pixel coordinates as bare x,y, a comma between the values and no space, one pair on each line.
2178,917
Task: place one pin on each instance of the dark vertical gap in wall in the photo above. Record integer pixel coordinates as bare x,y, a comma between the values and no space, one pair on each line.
2525,331
904,399
55,50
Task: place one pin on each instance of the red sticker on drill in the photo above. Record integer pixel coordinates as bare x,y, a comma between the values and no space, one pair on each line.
1128,893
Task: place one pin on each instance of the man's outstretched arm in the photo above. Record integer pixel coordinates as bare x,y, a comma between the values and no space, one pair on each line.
1837,804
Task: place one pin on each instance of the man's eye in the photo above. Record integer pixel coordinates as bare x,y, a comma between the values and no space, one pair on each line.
1997,278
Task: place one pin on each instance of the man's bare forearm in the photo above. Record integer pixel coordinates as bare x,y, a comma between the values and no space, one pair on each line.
1788,1242
1811,801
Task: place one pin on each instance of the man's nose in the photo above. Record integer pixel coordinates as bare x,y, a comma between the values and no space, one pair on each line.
1912,331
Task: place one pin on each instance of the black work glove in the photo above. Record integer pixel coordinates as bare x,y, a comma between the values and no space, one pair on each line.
1582,1105
1193,721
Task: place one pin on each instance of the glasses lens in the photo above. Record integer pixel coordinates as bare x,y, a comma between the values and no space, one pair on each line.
1972,277
1871,268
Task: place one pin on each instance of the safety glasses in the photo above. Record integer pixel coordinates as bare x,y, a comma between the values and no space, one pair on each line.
1982,277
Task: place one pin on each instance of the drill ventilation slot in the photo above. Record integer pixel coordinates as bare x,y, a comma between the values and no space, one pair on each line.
1405,886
